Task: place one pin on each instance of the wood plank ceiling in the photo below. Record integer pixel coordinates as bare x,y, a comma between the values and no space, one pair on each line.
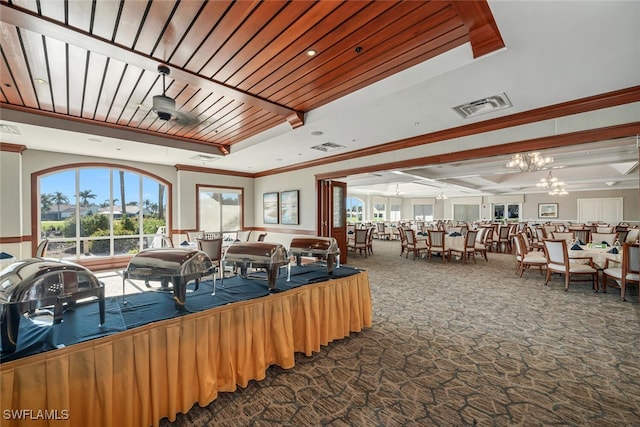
239,67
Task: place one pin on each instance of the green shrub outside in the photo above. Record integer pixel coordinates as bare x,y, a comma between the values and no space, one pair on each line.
97,225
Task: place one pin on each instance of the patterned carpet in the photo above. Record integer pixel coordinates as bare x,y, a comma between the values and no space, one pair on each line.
458,345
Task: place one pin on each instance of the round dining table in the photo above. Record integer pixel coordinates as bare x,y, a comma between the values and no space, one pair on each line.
598,254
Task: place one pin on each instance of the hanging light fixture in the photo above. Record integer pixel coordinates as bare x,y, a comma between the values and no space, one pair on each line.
552,185
442,196
529,162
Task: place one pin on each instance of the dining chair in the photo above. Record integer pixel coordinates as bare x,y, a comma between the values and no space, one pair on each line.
607,229
469,249
503,239
243,235
192,236
415,245
213,249
359,242
435,244
261,237
167,242
480,244
610,238
627,271
403,239
569,236
548,229
583,234
370,240
526,259
41,250
381,231
489,236
558,261
621,236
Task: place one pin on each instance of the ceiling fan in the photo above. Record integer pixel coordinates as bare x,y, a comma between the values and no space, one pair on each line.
165,107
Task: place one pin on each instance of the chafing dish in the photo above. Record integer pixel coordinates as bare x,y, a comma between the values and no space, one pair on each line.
270,256
29,286
325,248
175,265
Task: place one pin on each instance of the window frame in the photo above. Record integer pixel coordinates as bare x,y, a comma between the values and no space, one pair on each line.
98,261
240,191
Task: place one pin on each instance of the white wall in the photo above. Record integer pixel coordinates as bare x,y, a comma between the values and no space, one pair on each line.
304,181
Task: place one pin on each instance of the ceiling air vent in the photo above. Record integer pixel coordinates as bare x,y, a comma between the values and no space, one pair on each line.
10,129
483,106
328,146
204,158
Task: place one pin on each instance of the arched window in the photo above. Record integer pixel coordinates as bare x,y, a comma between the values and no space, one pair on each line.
355,210
100,211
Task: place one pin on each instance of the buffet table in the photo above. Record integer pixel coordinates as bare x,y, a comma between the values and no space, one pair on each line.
138,376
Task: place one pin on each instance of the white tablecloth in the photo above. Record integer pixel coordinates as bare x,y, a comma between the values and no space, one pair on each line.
598,255
454,242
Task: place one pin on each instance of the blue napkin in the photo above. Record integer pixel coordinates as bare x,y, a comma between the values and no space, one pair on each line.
580,242
455,234
4,255
349,232
576,247
605,243
420,233
613,251
185,243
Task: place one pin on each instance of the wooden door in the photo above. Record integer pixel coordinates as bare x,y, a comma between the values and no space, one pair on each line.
332,213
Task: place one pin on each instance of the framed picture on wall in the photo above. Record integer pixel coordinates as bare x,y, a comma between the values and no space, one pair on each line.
270,208
289,207
547,210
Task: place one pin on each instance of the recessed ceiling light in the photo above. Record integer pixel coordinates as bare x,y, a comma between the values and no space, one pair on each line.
95,140
317,133
41,81
311,52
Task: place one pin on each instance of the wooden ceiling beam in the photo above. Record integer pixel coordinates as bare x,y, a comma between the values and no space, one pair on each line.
483,31
48,28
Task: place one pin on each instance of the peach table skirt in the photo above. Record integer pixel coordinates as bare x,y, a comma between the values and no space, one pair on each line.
137,377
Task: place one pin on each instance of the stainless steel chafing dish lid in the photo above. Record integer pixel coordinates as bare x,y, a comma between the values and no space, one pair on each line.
265,253
314,246
17,280
170,262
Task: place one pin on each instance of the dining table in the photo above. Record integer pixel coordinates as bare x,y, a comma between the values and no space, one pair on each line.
598,254
451,241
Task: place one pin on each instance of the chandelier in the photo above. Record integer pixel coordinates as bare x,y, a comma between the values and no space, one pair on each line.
442,196
552,185
529,162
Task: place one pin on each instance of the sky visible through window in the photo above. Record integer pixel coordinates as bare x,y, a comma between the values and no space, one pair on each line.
97,180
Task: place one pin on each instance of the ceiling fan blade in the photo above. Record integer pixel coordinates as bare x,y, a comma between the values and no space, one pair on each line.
185,119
